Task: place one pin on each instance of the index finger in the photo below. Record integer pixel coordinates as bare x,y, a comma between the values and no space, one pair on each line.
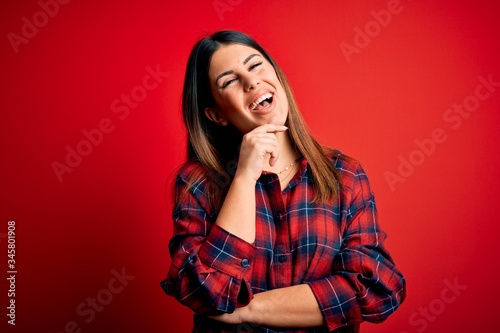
271,128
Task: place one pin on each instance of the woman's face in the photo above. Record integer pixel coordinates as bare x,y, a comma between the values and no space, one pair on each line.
245,88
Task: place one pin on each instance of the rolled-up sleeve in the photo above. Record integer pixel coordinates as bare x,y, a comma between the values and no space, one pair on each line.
209,265
365,285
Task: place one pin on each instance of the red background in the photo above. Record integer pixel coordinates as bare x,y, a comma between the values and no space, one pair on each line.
113,210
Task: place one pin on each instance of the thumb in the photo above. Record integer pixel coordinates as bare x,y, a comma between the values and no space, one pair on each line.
274,157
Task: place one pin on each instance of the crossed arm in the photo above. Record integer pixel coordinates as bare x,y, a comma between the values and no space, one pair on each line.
293,306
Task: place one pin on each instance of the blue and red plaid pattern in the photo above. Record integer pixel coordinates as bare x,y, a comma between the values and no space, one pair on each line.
336,248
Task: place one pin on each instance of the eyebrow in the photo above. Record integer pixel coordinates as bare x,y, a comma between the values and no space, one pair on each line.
247,59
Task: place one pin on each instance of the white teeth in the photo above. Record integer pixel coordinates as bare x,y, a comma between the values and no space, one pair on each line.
261,98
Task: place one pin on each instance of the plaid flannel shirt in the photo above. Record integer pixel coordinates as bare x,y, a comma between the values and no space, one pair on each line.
337,249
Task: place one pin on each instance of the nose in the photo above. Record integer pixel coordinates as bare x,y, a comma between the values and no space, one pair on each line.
251,82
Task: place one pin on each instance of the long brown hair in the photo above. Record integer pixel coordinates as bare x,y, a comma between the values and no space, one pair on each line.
215,148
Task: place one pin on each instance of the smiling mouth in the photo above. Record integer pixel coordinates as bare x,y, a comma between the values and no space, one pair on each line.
263,102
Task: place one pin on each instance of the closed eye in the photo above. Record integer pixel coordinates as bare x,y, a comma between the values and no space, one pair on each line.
228,82
255,65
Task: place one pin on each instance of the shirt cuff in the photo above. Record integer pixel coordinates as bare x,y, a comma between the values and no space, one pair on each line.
337,301
226,252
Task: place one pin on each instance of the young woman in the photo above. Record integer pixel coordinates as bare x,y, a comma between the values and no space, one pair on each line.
272,231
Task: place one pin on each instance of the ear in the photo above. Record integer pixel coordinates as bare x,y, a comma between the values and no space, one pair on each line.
216,116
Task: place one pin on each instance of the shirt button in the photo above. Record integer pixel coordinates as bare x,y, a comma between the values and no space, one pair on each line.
245,263
282,259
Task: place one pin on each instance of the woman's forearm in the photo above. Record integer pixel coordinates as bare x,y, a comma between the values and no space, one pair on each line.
258,147
237,214
294,306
